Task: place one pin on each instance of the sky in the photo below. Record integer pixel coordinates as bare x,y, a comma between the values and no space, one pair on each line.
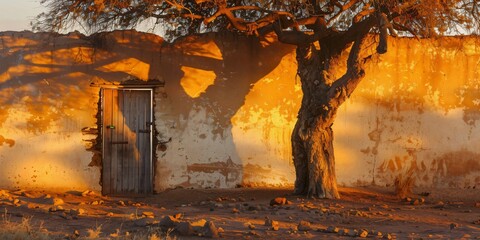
17,14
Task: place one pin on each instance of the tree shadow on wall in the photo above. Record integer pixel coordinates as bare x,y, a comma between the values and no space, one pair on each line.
52,75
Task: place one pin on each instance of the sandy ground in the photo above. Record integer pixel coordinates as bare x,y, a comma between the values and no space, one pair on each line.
242,214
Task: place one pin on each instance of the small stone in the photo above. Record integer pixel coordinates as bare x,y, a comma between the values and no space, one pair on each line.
184,228
477,204
234,210
4,193
453,226
148,214
220,230
168,222
79,211
57,201
275,227
353,233
16,201
76,233
109,214
209,230
272,224
121,203
94,203
278,201
56,208
363,233
343,232
304,226
199,223
415,202
28,195
333,229
251,226
388,236
88,193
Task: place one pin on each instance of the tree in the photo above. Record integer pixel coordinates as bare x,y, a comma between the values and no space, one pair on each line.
322,30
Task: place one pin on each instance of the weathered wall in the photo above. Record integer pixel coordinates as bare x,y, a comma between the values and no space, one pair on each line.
417,110
229,104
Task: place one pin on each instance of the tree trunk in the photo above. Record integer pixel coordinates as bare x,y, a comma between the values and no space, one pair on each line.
314,159
312,137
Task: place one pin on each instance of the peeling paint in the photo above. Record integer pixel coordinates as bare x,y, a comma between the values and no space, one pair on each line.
6,141
231,172
458,163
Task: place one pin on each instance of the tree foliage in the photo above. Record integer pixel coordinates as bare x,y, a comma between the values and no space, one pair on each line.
182,17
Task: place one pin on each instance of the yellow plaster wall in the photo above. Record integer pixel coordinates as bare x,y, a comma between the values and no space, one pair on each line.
227,109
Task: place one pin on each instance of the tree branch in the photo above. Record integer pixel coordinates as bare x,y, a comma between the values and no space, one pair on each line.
345,85
301,38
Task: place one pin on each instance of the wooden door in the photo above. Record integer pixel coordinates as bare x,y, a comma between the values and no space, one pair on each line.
127,141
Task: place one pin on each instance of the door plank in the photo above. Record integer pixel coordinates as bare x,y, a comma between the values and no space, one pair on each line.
117,162
125,134
139,138
148,146
107,135
133,151
141,142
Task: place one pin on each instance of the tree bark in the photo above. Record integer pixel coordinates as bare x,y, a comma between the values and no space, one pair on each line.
312,137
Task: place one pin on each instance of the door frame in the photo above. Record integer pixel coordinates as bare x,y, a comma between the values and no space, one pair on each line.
152,128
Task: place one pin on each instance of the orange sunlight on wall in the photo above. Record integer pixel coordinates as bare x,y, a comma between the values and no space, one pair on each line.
196,81
131,66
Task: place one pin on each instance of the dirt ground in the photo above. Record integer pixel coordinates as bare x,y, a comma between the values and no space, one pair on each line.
247,213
